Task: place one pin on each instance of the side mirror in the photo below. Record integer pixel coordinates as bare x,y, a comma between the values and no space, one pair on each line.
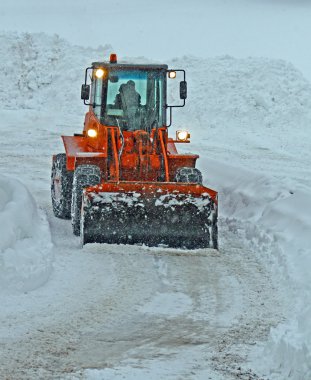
114,79
85,92
183,90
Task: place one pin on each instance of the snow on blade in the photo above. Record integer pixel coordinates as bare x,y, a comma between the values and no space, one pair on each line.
130,198
25,243
171,200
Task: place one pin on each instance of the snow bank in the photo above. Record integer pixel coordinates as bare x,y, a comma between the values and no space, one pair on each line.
41,69
253,113
25,243
276,222
290,344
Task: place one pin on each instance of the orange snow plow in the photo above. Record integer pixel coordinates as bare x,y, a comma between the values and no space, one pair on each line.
122,180
173,214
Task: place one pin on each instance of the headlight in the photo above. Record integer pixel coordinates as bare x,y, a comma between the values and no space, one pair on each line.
182,135
92,132
99,73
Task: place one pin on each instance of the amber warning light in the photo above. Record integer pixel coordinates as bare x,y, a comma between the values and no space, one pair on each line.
113,58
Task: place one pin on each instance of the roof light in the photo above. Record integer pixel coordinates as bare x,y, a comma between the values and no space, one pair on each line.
99,73
113,58
172,74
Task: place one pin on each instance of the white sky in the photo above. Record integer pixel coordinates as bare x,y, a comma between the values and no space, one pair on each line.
164,29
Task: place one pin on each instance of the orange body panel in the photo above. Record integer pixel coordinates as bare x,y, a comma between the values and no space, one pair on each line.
77,149
145,157
91,122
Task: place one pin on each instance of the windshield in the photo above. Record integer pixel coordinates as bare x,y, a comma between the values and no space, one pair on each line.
134,99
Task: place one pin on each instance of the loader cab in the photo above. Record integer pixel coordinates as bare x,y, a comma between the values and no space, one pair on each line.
127,96
132,97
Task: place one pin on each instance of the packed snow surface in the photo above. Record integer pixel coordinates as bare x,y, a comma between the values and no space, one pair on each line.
113,311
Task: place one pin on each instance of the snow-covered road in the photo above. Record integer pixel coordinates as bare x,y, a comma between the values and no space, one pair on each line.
108,307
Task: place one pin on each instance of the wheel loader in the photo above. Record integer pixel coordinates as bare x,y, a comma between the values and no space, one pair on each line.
122,179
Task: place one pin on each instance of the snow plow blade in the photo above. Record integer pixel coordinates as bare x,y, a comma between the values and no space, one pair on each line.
172,214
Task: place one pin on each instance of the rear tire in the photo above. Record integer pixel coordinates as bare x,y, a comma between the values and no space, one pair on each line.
188,175
84,176
61,187
214,230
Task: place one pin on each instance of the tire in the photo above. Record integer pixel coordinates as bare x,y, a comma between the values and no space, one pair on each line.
214,230
188,175
84,176
193,175
61,187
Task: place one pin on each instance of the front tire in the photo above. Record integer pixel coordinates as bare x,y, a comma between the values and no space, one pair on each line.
61,187
210,237
188,175
84,176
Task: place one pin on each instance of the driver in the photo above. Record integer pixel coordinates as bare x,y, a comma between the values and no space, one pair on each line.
129,100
